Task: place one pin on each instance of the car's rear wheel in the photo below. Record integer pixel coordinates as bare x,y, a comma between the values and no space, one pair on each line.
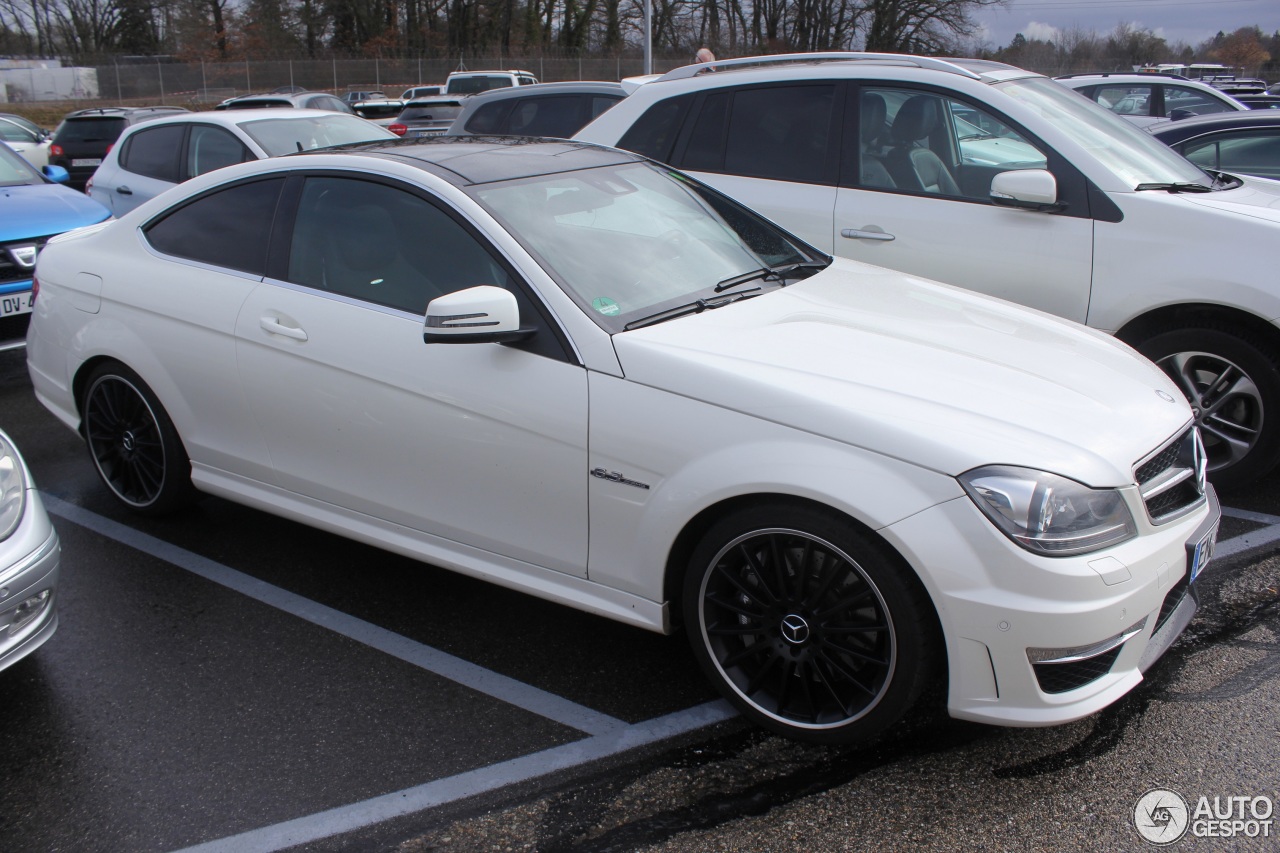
806,625
1233,385
134,445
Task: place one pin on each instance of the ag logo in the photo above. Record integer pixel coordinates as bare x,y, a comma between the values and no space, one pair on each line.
1161,816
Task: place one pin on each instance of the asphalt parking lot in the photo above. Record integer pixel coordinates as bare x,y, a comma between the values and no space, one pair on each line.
225,680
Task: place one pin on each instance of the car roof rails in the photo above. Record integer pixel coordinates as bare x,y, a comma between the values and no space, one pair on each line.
746,63
1169,75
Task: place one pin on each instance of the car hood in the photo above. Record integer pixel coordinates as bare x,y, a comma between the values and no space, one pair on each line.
44,209
1258,198
919,371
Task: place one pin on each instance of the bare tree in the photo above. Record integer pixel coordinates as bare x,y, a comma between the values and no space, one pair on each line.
919,26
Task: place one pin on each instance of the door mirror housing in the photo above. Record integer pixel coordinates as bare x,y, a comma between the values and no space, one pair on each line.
1028,189
57,174
477,315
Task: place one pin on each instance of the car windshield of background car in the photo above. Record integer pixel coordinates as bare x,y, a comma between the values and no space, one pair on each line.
627,239
16,172
1130,154
287,135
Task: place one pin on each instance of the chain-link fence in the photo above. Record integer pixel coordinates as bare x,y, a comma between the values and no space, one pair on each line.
198,83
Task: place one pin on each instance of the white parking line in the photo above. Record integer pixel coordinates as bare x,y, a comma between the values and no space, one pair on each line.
455,669
608,735
399,803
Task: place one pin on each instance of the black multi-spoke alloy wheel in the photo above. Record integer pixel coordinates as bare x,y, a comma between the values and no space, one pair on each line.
133,443
806,625
1233,386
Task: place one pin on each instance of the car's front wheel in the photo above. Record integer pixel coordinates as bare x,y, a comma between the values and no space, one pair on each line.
1233,385
134,445
808,626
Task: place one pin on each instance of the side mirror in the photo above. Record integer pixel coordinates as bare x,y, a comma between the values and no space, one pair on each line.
57,174
477,315
1180,113
1027,189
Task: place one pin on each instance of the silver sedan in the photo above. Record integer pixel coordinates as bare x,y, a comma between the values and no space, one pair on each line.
29,557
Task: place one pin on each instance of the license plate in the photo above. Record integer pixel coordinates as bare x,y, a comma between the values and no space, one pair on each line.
1202,553
87,161
15,303
428,133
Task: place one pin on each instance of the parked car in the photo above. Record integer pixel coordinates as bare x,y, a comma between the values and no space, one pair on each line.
29,561
35,207
850,485
31,145
544,109
427,116
414,92
381,111
28,124
834,151
1245,143
474,82
85,136
300,100
151,158
1259,102
353,98
1145,97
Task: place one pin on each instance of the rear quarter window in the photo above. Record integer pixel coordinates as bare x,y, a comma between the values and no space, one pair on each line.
227,228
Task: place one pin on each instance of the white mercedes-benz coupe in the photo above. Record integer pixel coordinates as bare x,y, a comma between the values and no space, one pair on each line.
574,372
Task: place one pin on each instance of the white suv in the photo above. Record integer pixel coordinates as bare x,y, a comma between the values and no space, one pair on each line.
1146,98
999,180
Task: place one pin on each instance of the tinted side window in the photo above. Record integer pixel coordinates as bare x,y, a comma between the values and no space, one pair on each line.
560,115
1198,103
1251,152
705,150
601,104
654,133
1125,100
227,228
155,153
212,148
487,119
380,244
780,132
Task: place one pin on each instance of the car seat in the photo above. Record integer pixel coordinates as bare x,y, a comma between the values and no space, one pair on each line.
912,165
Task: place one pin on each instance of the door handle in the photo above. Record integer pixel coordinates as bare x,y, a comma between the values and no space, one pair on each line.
124,191
866,234
275,327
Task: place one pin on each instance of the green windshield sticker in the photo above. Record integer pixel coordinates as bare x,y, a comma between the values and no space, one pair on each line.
605,305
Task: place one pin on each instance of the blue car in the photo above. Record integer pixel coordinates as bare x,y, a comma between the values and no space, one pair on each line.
33,208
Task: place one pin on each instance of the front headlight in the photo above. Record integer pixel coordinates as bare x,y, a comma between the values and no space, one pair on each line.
1049,514
13,489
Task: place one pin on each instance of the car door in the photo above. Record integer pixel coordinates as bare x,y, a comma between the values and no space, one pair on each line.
149,163
915,196
480,444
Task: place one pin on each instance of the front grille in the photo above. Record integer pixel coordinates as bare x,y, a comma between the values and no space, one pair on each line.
10,269
1061,677
1171,480
13,329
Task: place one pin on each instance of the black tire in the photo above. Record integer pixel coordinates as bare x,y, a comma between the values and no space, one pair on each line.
807,626
134,446
1233,385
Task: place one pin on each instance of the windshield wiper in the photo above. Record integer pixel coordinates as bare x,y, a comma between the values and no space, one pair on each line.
778,273
1175,187
695,307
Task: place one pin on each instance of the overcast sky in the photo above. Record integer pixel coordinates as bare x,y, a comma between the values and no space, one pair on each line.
1190,21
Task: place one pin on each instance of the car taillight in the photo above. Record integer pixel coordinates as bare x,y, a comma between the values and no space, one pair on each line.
109,147
398,129
88,186
35,289
56,150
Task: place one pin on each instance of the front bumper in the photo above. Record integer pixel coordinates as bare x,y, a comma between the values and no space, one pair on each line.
29,569
1036,641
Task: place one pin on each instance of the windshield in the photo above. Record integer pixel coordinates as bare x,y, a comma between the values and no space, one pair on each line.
15,171
1130,154
626,241
473,85
286,135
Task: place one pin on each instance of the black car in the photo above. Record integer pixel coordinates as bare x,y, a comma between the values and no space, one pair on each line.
1259,102
84,137
1240,143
